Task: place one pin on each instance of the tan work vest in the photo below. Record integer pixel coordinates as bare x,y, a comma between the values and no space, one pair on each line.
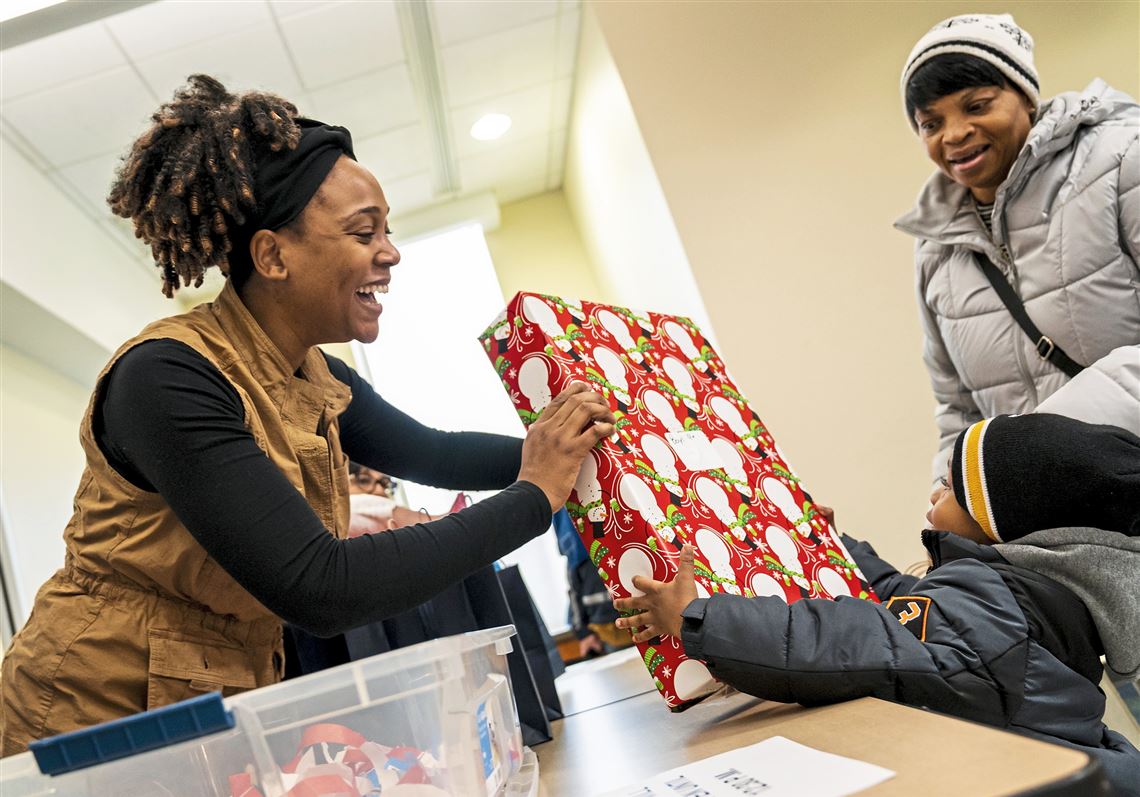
140,615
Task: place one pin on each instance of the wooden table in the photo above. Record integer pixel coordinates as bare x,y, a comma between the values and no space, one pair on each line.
618,731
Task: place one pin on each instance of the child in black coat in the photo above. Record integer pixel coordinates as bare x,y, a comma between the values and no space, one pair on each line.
1035,574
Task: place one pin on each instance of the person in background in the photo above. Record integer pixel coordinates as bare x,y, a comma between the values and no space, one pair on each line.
591,612
1034,544
372,503
1049,194
485,598
214,502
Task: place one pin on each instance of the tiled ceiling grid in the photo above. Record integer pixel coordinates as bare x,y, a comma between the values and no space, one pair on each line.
74,100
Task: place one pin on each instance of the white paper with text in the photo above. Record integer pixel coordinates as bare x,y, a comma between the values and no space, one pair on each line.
775,767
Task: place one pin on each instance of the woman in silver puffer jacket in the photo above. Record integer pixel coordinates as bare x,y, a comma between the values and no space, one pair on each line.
1050,193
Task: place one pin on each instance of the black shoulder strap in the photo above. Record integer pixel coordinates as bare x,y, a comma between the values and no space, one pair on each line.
1046,348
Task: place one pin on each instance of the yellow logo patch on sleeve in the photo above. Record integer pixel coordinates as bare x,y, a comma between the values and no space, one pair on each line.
911,611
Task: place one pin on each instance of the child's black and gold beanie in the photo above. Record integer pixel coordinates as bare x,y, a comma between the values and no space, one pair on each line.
1017,474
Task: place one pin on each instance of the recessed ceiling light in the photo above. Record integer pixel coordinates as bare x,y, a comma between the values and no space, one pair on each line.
490,126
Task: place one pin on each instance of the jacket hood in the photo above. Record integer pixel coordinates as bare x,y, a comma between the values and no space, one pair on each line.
1103,569
943,212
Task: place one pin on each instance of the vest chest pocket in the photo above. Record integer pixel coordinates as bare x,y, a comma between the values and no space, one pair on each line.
182,666
324,478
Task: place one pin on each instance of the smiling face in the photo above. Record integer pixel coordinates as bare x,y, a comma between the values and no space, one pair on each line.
337,260
974,135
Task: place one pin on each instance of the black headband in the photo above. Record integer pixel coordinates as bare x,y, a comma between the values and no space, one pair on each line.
286,180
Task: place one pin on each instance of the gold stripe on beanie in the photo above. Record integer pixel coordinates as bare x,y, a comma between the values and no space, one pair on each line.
974,478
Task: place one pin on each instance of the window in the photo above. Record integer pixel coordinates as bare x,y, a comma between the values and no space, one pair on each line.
428,362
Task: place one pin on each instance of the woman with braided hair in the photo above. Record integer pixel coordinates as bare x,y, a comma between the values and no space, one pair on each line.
214,502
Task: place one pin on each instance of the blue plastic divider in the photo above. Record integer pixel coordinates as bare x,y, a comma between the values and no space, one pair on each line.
180,722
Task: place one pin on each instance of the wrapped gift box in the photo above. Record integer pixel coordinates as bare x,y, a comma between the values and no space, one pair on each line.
690,462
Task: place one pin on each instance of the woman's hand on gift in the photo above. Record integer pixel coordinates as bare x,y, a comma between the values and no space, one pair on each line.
658,611
572,423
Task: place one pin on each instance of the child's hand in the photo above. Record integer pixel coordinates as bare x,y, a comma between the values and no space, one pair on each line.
828,513
659,609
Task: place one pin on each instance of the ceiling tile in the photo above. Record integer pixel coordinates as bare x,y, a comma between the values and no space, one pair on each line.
407,194
92,179
567,50
524,161
395,154
530,112
499,63
342,40
369,104
84,118
37,65
254,58
456,22
157,27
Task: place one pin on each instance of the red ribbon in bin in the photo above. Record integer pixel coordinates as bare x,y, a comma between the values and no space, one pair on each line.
359,769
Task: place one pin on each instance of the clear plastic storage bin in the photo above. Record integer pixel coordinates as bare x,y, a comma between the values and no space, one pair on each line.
425,721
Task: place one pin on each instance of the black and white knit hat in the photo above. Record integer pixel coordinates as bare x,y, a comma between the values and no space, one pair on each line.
1016,474
994,38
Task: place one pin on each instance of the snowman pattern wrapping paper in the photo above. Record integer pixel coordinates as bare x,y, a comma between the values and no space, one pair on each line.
689,462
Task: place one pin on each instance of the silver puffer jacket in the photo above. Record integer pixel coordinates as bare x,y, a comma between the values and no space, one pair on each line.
1066,233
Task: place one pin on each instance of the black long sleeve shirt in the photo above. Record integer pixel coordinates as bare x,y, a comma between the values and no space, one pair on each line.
169,422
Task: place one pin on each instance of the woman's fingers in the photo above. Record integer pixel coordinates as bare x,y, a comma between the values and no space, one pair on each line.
574,421
589,407
558,403
566,408
583,411
599,431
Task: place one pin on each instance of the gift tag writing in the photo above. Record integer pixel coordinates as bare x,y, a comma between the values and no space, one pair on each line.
695,450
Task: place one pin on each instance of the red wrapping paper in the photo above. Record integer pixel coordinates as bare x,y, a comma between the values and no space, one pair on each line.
690,462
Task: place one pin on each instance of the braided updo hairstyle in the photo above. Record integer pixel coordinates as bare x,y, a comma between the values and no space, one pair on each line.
187,183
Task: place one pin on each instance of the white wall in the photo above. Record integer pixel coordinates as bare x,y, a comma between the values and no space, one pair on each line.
428,362
40,465
615,197
63,260
71,294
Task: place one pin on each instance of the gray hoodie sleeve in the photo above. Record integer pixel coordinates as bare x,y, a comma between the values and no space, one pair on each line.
970,661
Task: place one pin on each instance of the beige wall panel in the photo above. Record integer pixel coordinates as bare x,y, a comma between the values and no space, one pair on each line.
778,137
537,248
